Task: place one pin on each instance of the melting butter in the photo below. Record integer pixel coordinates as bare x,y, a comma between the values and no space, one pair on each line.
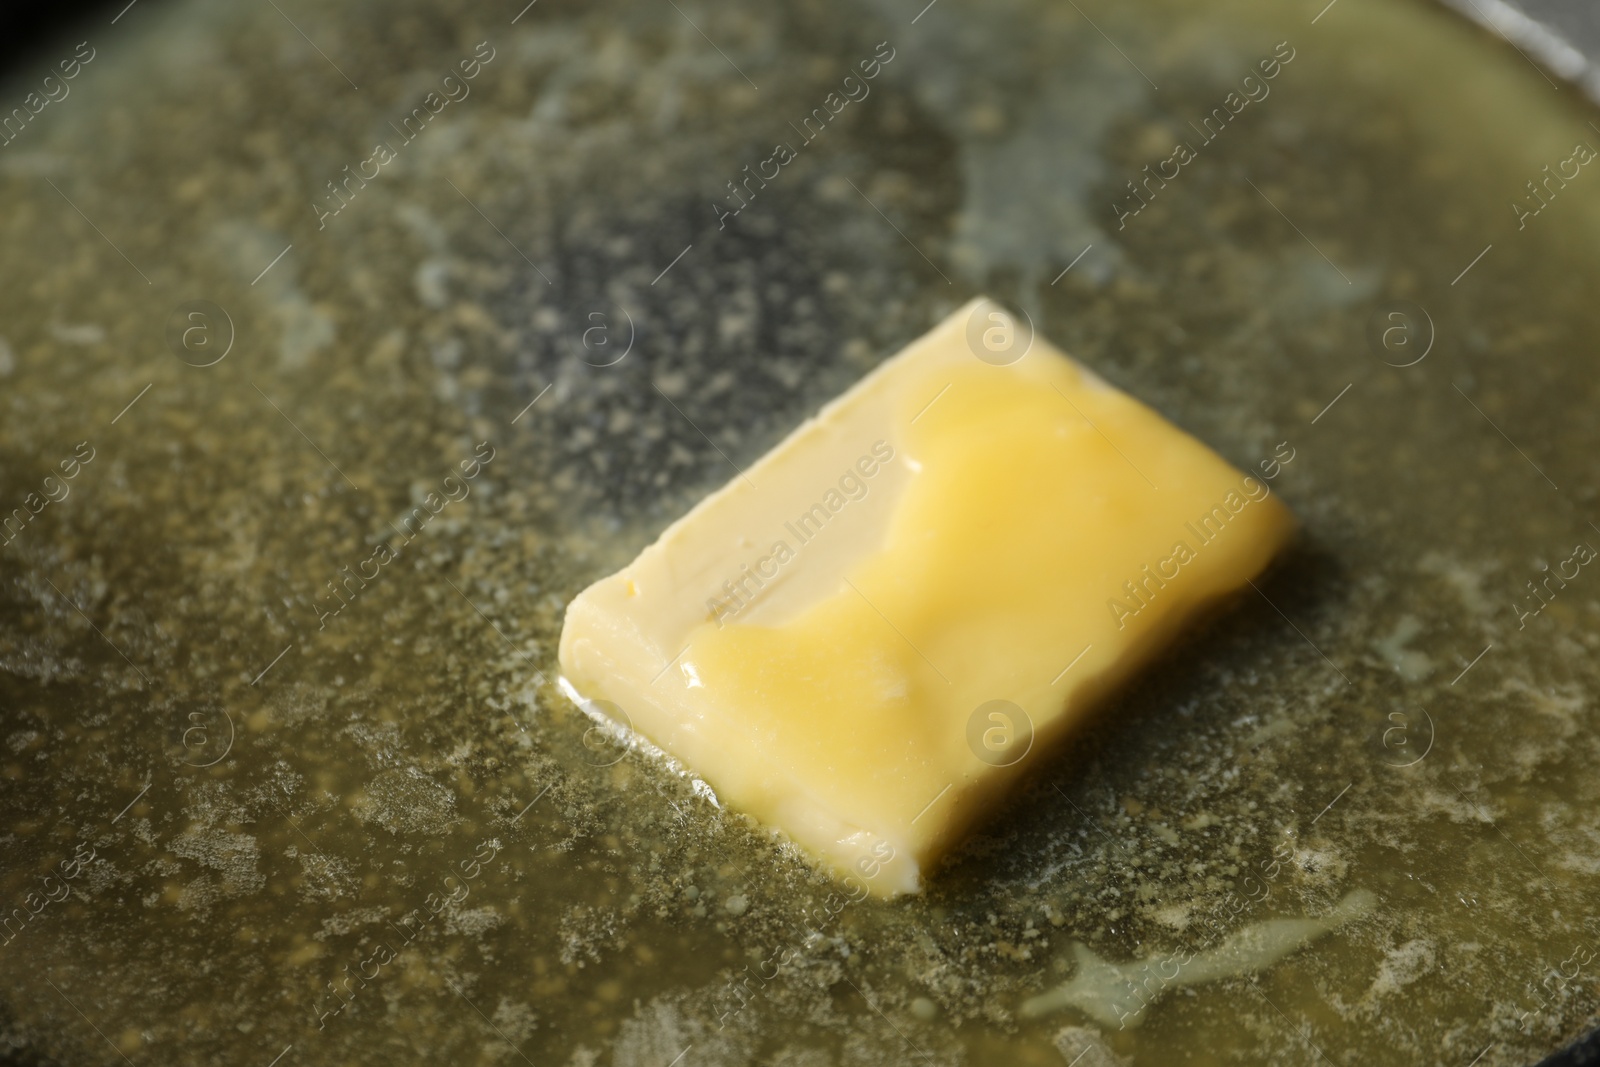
1116,994
868,636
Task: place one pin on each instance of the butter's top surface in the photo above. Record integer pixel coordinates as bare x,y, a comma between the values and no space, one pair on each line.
865,638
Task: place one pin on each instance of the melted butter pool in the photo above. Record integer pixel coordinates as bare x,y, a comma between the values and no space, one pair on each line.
267,797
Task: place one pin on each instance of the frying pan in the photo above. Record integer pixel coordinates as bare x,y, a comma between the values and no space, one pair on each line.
258,343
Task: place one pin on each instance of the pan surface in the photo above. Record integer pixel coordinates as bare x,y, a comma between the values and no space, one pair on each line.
277,272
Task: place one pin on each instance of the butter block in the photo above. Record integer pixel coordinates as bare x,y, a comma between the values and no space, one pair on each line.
867,637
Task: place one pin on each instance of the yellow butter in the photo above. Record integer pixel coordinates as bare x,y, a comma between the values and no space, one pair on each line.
868,636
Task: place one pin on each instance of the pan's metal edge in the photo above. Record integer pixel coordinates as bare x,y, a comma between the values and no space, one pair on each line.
1540,42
